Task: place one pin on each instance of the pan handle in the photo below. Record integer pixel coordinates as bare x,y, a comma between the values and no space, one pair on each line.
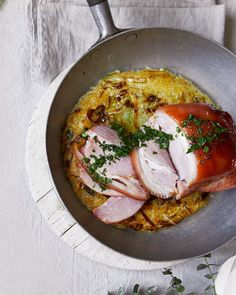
102,15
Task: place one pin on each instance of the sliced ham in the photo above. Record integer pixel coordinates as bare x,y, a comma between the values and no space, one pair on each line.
150,169
121,171
155,170
116,209
104,133
87,179
198,170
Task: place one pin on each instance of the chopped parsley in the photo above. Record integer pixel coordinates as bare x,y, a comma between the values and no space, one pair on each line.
113,152
92,170
206,149
144,134
84,135
178,129
203,140
69,134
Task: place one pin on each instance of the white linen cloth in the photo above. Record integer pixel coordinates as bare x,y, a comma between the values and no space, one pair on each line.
61,31
34,261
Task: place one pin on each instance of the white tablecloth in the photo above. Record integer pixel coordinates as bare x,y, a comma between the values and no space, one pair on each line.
33,260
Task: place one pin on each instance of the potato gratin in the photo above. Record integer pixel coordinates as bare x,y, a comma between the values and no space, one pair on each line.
129,100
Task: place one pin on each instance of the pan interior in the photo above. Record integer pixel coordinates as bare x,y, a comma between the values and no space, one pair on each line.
208,65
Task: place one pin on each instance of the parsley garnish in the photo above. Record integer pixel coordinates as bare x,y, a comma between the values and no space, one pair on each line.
92,169
113,152
144,134
203,140
69,134
84,135
178,129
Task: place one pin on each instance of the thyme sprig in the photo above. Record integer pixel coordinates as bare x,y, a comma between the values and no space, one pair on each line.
148,291
211,275
175,282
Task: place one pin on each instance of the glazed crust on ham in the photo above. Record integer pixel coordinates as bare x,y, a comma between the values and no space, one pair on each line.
198,170
121,171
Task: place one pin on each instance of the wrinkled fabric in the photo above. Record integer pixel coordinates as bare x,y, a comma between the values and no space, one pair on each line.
61,31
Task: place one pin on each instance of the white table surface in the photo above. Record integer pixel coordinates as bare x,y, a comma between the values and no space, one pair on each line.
33,260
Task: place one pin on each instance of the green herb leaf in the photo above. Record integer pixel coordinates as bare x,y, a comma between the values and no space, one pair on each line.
167,271
201,266
69,134
206,149
207,255
199,130
190,117
121,291
175,281
1,3
193,148
178,129
209,287
135,290
84,135
180,288
208,276
86,160
119,129
151,290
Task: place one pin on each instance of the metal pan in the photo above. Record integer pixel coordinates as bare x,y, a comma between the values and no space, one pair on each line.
210,66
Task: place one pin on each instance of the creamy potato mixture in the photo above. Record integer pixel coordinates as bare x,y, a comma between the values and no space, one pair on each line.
130,98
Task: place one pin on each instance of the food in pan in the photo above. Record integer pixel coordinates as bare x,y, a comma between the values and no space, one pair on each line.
142,149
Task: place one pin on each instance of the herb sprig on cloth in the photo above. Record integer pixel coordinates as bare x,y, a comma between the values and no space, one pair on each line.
1,3
176,284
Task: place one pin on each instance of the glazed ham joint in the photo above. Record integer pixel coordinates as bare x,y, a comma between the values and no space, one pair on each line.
181,149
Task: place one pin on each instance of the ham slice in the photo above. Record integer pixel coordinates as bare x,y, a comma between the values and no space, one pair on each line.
116,209
200,170
155,170
87,179
121,171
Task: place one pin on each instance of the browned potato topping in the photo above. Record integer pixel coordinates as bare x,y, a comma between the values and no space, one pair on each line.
130,98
